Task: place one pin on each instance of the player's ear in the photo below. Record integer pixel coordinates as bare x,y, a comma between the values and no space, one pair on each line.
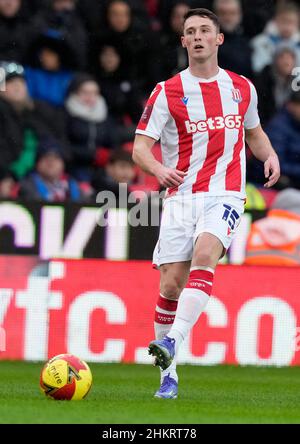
220,39
183,41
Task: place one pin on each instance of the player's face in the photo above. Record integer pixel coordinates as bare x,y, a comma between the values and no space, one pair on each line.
201,38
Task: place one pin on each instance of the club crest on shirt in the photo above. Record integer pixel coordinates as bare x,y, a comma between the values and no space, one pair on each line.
147,113
236,95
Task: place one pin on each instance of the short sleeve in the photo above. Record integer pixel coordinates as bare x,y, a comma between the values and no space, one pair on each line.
155,115
251,116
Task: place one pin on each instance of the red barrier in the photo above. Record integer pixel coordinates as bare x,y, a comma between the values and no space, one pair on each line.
103,311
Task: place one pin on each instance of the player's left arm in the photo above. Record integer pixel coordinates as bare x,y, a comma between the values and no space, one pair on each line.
260,145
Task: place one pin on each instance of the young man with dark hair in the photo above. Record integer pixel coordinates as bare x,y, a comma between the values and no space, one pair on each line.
202,116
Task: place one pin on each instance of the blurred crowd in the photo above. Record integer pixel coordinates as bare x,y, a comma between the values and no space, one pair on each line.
77,74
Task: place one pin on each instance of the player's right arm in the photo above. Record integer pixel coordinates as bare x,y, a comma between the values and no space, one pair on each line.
142,156
149,129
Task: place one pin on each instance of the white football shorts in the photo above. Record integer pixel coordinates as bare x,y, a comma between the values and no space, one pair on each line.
184,217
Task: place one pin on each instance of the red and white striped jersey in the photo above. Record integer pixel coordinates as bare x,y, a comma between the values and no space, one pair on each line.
200,124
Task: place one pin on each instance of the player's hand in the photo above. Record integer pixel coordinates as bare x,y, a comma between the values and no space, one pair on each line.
272,170
169,177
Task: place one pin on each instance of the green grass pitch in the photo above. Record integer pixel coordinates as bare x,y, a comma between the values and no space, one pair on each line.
123,394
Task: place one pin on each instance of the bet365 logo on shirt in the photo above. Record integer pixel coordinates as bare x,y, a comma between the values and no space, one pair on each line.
214,123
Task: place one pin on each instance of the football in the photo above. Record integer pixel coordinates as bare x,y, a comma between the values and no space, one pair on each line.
66,377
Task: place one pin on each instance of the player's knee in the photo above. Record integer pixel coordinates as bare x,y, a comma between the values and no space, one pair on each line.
172,281
204,258
171,289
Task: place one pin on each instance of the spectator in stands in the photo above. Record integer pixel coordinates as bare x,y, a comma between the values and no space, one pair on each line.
23,122
284,133
8,184
274,83
15,31
93,12
283,30
50,72
120,169
137,45
174,56
235,53
49,181
91,131
120,92
62,20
